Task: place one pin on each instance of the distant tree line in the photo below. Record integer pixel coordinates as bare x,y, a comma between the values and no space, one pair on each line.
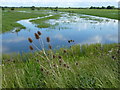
108,7
56,8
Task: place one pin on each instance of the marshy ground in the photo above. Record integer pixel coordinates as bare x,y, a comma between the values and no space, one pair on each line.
76,50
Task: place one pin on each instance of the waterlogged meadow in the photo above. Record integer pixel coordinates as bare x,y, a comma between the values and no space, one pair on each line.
56,49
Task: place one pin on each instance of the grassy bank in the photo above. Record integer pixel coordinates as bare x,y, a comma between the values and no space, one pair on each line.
113,14
88,66
9,19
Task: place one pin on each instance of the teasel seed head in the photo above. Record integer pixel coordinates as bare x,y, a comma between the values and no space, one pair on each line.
41,69
30,40
31,48
60,61
76,63
50,47
59,57
68,67
36,36
54,56
65,51
39,33
48,39
65,65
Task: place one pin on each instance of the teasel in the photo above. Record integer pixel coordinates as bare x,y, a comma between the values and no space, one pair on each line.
30,40
50,47
54,56
41,69
65,65
48,39
36,36
31,48
39,33
59,57
76,64
64,51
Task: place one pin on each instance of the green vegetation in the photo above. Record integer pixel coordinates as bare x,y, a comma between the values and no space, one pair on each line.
42,23
91,18
9,19
113,14
0,20
92,66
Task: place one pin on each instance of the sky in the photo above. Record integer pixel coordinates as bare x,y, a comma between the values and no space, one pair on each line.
59,3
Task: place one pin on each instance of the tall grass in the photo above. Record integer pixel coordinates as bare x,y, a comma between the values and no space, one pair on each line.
80,66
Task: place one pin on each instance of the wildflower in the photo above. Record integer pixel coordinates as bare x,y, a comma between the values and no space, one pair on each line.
39,33
31,48
36,36
30,40
48,39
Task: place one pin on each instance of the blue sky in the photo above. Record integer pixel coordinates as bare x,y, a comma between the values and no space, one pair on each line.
59,3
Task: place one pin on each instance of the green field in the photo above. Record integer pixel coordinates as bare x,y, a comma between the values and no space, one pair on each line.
86,66
9,17
92,66
113,14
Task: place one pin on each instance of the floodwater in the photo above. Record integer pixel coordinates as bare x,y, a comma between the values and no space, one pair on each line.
68,27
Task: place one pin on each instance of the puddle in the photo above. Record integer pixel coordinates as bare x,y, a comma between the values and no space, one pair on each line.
68,27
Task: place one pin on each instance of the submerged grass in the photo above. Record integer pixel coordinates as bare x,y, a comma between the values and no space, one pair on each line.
86,66
42,23
113,14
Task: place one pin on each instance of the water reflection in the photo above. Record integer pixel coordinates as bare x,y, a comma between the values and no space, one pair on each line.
68,27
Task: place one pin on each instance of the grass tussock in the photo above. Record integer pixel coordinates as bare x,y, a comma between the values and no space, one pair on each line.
80,66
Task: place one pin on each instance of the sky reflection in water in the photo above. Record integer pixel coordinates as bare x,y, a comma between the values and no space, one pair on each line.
68,27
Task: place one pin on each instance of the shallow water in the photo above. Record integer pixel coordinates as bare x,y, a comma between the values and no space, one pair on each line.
68,27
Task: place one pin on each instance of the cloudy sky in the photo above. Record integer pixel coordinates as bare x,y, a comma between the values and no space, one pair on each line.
60,3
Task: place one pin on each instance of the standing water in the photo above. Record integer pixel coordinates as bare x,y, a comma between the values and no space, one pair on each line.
69,27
